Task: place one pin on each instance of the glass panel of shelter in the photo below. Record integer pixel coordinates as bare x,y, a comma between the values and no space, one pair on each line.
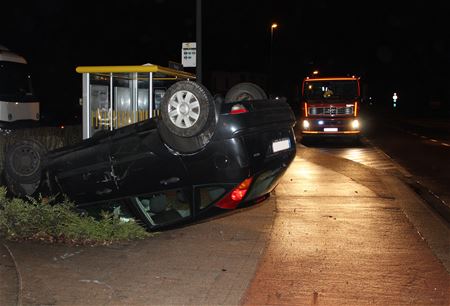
130,102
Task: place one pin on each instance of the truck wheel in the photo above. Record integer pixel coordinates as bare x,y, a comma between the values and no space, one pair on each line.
356,140
188,117
245,91
187,108
24,161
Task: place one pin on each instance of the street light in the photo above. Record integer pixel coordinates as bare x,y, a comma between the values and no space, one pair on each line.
273,26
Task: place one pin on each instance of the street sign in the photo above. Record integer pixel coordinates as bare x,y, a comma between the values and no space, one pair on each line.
189,54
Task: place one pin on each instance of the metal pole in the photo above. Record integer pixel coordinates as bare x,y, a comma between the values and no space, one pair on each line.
198,36
111,102
272,27
270,60
150,95
134,99
86,106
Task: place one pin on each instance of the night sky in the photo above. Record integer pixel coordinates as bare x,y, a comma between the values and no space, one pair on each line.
393,46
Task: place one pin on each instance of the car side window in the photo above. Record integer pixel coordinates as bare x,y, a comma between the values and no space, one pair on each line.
165,207
118,209
209,195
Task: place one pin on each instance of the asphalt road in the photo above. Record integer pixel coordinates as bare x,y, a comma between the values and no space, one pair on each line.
422,147
418,151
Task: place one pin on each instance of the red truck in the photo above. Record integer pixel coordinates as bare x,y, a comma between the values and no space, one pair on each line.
331,107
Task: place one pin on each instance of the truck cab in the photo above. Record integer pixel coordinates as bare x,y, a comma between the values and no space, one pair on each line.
18,104
330,106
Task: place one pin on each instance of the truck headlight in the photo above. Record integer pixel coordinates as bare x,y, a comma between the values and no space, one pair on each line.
305,124
355,124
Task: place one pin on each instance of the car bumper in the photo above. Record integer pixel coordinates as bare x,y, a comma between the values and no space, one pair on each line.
331,126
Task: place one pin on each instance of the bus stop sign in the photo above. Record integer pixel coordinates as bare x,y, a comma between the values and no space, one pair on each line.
189,54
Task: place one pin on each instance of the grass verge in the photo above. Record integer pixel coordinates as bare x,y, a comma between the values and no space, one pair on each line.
42,220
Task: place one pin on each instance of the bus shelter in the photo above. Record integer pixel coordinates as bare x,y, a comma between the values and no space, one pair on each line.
116,96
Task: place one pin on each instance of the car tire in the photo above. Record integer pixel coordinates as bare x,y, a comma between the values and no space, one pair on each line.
20,190
191,139
24,161
187,108
245,91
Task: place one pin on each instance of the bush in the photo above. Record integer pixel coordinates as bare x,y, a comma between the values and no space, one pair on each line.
39,219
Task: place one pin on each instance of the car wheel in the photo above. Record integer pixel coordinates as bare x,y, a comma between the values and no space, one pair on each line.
182,131
187,108
24,161
20,190
245,91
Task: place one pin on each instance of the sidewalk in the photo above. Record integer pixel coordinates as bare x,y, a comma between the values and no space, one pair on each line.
334,233
343,235
210,263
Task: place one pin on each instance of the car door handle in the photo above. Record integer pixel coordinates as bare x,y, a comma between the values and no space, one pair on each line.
170,180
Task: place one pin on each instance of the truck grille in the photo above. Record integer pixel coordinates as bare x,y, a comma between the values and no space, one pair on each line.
330,111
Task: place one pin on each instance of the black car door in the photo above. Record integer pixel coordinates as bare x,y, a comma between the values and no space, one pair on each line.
141,162
83,172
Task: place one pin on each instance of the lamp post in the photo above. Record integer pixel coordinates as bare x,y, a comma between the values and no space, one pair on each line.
198,38
273,26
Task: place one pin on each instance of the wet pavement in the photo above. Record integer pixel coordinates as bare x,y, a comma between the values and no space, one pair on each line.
347,239
334,232
209,263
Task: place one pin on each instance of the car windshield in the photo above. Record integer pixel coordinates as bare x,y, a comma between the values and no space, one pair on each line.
15,81
330,89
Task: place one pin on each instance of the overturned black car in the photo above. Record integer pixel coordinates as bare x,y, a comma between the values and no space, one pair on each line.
199,152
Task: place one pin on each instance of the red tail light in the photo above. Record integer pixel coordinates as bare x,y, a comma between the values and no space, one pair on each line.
235,196
238,109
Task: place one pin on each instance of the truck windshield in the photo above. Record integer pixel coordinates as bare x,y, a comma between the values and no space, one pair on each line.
15,81
330,89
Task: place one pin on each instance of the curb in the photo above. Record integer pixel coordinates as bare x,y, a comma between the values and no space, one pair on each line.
429,197
10,294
